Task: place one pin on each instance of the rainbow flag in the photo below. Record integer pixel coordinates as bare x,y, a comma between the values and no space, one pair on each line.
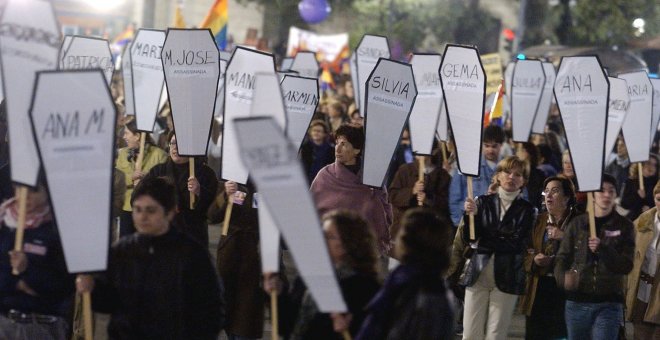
124,37
494,115
179,22
216,20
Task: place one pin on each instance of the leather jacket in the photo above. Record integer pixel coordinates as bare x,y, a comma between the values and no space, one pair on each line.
504,239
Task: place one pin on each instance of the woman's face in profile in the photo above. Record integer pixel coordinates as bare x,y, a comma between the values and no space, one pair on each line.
335,246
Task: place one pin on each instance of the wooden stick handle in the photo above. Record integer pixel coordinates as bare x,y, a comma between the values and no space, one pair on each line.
87,315
273,315
640,175
420,175
138,162
225,224
191,166
592,217
21,197
470,193
346,335
443,148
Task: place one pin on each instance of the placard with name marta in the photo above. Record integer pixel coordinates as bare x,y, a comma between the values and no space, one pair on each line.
148,76
637,128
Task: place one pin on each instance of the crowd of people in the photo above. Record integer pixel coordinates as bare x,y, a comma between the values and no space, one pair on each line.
406,262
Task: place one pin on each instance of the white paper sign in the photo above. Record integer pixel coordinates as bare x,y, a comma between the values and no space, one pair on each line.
582,91
286,64
508,80
127,74
636,129
619,102
655,82
65,46
528,85
301,97
464,86
29,43
391,94
220,95
268,98
148,76
239,91
306,65
73,116
354,80
546,99
190,62
269,239
443,129
89,53
370,48
423,120
273,164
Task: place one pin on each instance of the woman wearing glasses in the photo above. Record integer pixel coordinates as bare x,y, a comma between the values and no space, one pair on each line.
543,304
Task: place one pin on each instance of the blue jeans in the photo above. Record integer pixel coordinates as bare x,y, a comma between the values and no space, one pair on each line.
597,321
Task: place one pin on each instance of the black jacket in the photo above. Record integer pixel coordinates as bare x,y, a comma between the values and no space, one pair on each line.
506,239
162,287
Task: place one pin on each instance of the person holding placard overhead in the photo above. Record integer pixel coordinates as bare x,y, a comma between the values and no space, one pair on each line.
502,224
190,220
37,298
592,269
126,162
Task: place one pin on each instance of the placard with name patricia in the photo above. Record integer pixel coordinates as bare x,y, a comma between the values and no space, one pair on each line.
73,118
370,48
619,102
637,128
278,175
305,64
86,53
546,99
301,97
464,87
655,83
391,94
127,75
582,94
148,76
527,87
239,92
423,119
29,42
190,63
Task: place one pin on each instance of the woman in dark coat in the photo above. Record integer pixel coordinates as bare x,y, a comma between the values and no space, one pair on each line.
635,200
317,151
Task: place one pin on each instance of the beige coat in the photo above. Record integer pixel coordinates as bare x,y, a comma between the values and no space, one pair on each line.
644,235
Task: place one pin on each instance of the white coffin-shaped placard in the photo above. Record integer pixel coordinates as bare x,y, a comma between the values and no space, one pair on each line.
582,93
127,75
508,80
619,102
239,92
269,238
546,99
371,48
286,64
354,81
220,94
464,86
65,46
148,76
443,125
636,128
74,117
282,74
528,84
86,53
423,119
274,167
655,82
391,94
301,97
30,43
267,99
190,62
306,65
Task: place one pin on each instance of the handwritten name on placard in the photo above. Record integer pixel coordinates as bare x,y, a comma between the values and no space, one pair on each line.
68,124
146,50
396,87
189,58
241,79
293,96
86,62
29,34
576,83
372,52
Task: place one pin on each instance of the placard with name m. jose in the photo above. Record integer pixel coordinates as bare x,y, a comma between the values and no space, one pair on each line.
637,128
391,94
546,99
190,63
86,53
148,76
73,118
528,85
582,94
616,115
239,91
301,97
423,119
464,87
370,48
29,42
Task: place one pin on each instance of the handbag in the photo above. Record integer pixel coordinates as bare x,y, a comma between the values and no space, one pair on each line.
472,268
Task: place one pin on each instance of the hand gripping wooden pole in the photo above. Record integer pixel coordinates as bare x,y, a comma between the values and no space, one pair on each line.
140,158
592,217
191,166
21,198
443,148
470,216
273,315
640,174
346,335
87,315
420,175
225,224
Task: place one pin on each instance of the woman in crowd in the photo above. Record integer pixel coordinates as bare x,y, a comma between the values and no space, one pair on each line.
567,171
407,191
317,151
353,251
529,153
339,186
543,303
415,303
126,159
643,294
35,303
203,186
634,199
502,222
160,283
336,115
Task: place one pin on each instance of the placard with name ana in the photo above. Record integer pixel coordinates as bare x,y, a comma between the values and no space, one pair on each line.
423,119
527,87
148,76
637,128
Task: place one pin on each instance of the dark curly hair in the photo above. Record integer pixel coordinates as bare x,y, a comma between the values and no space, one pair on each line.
358,239
353,134
567,187
425,240
161,189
